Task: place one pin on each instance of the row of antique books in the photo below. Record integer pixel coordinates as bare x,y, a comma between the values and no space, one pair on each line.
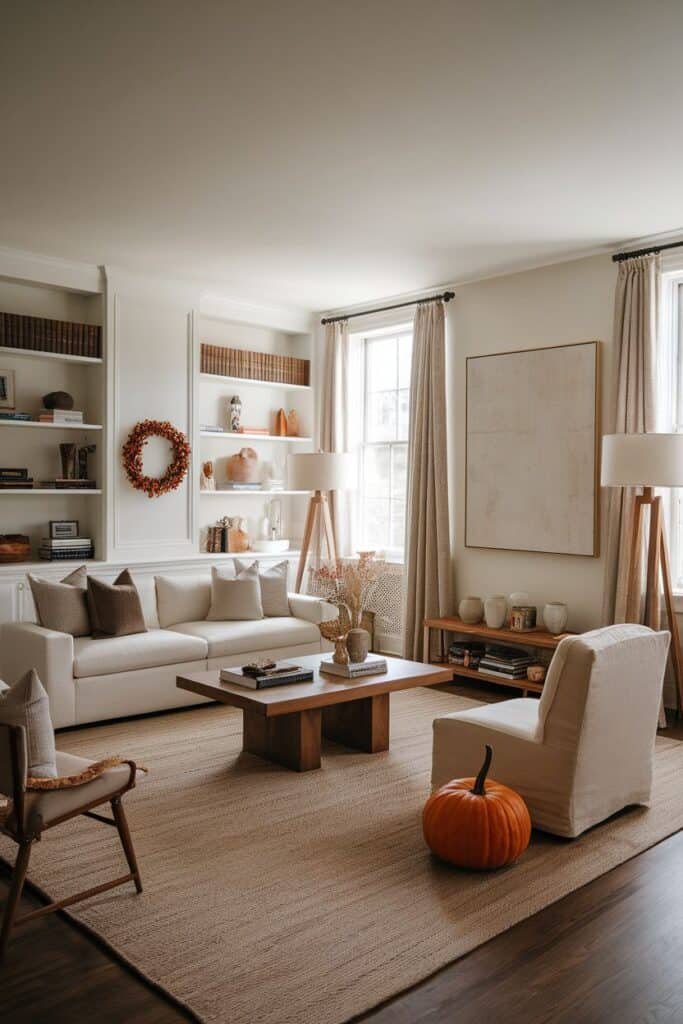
38,334
237,362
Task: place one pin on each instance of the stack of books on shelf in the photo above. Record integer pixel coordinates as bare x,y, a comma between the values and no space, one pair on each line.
66,550
232,485
237,362
38,334
506,662
374,664
11,479
261,676
60,416
17,417
212,428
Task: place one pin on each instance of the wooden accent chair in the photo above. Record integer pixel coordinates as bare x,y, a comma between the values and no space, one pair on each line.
33,812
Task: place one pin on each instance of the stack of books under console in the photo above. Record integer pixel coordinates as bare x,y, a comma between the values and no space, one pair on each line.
506,662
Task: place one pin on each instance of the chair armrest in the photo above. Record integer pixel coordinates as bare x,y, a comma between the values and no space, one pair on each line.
312,609
23,646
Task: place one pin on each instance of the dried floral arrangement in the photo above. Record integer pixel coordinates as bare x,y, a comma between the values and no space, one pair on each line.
349,583
154,487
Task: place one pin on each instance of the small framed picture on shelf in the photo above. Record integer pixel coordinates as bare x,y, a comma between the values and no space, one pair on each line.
63,529
7,389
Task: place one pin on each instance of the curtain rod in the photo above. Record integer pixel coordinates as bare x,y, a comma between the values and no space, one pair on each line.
651,250
444,296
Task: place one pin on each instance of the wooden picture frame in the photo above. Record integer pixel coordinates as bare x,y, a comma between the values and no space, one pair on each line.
64,529
532,450
7,389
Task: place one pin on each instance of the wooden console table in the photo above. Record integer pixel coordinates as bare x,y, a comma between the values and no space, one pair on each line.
534,638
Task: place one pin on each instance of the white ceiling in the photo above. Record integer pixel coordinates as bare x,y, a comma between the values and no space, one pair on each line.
317,154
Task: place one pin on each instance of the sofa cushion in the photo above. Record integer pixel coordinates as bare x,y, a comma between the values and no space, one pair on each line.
115,608
95,656
62,606
273,580
182,598
227,638
236,599
148,598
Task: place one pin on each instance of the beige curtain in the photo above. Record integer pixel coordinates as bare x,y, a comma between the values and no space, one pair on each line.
334,423
428,554
635,338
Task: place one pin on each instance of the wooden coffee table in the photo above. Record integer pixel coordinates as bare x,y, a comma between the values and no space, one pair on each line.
286,723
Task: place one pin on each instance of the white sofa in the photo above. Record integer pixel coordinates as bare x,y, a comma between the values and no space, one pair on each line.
90,680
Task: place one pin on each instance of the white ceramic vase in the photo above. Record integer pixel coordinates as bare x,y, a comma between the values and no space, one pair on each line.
555,615
495,611
520,599
471,610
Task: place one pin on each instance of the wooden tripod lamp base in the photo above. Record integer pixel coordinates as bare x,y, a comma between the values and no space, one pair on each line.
318,516
648,461
319,472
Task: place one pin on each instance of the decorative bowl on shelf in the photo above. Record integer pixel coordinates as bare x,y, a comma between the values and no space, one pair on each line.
270,547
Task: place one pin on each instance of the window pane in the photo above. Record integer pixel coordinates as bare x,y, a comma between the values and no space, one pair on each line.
376,523
399,462
376,471
381,411
403,415
381,364
398,524
405,354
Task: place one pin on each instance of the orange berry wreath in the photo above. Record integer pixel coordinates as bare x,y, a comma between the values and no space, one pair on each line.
154,487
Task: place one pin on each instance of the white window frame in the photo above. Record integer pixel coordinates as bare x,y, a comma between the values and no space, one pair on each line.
398,330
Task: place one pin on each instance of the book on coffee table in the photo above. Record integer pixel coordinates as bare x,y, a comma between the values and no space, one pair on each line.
373,665
281,675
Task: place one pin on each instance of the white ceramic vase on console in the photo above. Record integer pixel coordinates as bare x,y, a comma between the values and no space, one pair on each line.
495,611
555,616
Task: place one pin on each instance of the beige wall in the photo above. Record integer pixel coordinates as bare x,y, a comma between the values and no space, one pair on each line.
553,305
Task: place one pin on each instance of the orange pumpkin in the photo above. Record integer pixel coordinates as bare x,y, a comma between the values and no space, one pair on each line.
476,824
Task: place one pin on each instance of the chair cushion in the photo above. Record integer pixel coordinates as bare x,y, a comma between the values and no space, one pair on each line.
62,606
42,808
95,656
226,638
518,717
26,704
182,598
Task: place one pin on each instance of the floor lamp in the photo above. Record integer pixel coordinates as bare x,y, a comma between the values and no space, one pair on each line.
648,461
319,472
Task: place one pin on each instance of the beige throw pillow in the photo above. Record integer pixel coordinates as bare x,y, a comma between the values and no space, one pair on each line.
273,582
181,599
27,704
62,606
115,608
234,598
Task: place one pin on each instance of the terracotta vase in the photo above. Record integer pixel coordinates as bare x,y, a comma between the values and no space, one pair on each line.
243,467
358,644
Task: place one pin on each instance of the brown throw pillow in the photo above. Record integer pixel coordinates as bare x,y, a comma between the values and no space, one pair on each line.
62,606
115,608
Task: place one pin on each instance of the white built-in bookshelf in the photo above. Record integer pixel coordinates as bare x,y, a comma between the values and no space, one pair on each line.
35,445
261,401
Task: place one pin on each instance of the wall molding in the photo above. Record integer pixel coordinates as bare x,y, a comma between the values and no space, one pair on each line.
51,271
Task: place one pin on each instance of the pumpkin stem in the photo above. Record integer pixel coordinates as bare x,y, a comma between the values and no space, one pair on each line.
479,787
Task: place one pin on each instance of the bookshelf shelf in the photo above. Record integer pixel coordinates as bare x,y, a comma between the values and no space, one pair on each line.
250,382
226,493
33,492
50,426
233,436
8,350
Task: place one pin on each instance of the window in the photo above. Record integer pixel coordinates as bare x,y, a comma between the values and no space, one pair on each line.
386,360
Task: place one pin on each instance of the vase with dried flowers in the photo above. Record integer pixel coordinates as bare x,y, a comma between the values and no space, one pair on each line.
349,584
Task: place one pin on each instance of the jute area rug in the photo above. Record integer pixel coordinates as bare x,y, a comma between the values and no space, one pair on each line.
277,898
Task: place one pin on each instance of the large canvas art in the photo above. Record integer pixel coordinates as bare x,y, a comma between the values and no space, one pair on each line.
532,431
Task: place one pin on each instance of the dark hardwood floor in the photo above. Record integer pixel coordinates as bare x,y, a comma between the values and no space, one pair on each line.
610,952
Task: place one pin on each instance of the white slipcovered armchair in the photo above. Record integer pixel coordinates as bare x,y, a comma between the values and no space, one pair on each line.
585,750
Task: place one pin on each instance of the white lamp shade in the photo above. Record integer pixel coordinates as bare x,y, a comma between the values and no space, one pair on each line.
642,460
321,471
